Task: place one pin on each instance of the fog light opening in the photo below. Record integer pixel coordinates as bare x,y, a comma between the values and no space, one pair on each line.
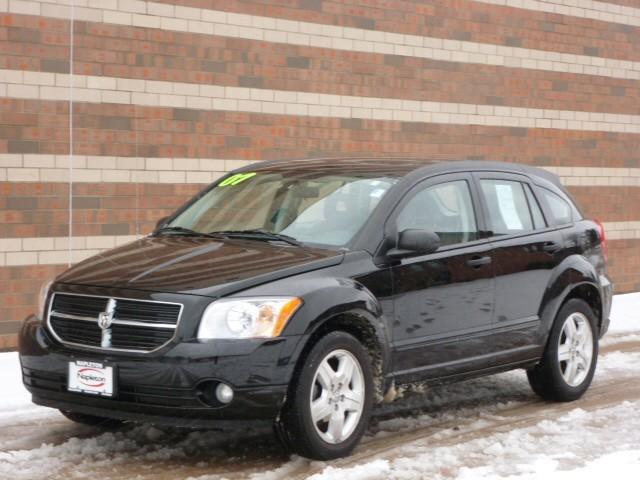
224,393
214,393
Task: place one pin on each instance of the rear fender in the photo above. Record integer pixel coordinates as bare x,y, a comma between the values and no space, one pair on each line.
572,272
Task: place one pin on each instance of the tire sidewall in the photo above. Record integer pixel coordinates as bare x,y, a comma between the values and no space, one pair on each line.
572,306
327,344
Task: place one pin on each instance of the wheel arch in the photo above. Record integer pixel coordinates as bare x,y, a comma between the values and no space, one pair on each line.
575,277
356,311
590,294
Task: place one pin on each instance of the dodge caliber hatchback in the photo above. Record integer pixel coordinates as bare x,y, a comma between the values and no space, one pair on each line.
301,292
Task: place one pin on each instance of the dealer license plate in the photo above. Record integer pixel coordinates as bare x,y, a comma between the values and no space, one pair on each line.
91,377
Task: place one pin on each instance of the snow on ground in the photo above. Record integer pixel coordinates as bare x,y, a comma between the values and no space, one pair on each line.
576,443
465,434
625,313
14,395
579,445
15,401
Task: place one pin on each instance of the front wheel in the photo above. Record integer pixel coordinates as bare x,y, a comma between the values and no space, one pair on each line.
330,400
569,361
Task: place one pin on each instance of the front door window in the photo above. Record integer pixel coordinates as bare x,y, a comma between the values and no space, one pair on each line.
445,209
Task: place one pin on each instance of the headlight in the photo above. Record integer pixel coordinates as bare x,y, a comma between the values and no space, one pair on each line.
247,317
42,298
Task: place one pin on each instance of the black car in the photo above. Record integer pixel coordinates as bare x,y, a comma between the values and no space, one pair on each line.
304,292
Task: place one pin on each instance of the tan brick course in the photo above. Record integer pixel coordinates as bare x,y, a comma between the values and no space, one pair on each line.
252,136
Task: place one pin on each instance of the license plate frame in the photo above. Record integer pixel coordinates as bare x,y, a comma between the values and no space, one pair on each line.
92,378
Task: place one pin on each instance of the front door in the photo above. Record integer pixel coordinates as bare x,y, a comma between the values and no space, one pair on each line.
443,302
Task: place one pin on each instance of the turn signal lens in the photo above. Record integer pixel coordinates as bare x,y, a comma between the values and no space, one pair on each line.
286,313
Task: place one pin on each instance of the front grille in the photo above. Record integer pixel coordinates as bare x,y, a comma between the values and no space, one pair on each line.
132,325
74,331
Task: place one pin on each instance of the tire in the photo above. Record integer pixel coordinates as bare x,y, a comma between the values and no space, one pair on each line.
569,361
342,414
92,420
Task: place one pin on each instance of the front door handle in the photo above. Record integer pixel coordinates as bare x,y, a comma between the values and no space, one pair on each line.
477,261
551,247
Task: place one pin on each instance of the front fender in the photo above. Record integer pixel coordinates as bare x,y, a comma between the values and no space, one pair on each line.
572,272
340,297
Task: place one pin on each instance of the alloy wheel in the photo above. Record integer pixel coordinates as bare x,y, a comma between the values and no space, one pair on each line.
575,349
337,396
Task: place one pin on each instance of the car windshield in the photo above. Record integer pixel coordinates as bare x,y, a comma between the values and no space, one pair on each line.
310,207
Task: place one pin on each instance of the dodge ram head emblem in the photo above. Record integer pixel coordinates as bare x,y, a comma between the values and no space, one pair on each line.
105,319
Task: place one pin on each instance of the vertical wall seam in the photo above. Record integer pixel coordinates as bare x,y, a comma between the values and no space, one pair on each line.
71,42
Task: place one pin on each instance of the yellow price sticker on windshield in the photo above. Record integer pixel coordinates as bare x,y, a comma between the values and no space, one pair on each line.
236,179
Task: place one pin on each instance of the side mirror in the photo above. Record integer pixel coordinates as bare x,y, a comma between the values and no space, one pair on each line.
161,222
415,242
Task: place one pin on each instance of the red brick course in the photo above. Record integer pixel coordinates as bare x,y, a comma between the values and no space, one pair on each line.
42,209
155,55
18,297
453,19
624,265
611,204
8,342
176,132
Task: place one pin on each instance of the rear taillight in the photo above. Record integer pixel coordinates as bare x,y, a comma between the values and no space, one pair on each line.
603,240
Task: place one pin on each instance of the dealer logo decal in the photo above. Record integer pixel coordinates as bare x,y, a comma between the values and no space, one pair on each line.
91,377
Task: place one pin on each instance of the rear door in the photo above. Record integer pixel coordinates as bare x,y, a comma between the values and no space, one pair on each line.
525,252
443,302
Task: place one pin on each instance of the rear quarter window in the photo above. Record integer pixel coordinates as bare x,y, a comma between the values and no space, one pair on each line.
562,210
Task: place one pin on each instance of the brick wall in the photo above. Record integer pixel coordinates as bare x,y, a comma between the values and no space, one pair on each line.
169,95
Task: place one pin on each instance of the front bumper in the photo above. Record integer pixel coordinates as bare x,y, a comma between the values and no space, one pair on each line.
162,387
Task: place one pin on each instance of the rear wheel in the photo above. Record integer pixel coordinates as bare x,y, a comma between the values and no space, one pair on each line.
569,361
92,420
330,401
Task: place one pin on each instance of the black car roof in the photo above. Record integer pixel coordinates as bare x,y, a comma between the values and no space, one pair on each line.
398,167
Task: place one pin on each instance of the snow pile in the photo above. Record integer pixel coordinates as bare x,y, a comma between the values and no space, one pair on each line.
376,470
14,395
15,402
625,313
577,444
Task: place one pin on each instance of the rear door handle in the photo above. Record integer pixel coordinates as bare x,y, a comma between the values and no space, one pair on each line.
551,247
477,261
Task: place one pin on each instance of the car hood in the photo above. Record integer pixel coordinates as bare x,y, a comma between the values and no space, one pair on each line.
196,265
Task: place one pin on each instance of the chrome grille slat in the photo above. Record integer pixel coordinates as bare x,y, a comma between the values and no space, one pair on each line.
135,325
68,316
116,321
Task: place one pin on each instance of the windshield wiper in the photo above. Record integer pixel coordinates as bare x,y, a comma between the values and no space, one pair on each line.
186,231
261,234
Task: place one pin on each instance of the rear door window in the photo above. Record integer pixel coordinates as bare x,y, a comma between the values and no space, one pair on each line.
509,210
